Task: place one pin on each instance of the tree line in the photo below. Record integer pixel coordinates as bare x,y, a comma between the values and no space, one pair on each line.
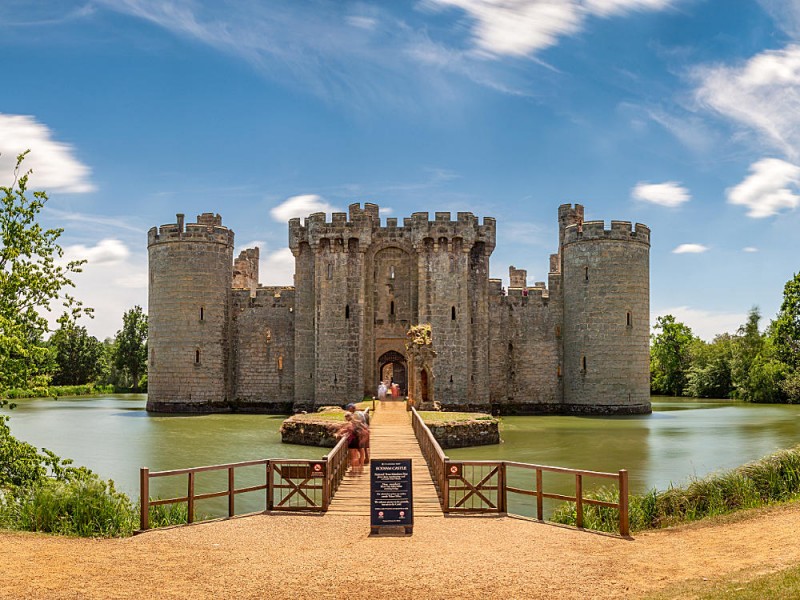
751,365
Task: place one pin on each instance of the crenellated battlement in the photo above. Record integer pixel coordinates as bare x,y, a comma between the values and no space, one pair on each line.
364,226
596,230
208,228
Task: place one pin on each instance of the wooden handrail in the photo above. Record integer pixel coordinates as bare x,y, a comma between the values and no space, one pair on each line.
495,484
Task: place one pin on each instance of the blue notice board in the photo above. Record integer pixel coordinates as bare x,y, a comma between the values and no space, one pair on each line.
391,501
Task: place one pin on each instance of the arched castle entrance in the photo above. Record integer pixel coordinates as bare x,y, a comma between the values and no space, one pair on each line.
392,366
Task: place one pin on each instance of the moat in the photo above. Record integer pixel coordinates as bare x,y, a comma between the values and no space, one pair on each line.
114,436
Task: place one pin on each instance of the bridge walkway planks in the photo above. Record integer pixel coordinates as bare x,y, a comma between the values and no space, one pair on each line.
391,436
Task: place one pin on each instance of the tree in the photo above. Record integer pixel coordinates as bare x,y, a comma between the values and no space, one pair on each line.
710,373
756,372
30,279
131,346
78,356
670,356
785,329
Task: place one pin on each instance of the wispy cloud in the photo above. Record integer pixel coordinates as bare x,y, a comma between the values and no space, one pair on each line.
54,164
761,95
750,249
105,252
277,268
94,220
521,28
669,193
704,323
690,249
300,206
768,189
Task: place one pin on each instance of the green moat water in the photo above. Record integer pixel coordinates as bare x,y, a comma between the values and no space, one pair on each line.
114,436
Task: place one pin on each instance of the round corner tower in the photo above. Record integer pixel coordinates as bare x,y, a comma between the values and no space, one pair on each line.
191,270
606,287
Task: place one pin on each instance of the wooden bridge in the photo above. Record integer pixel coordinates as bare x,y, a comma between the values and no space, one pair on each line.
391,436
440,485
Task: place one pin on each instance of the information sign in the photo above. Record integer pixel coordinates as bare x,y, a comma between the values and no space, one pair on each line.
391,502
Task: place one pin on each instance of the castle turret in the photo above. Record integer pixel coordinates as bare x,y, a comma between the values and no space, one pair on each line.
191,271
606,283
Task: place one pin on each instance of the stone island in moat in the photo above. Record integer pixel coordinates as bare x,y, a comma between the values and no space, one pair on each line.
219,341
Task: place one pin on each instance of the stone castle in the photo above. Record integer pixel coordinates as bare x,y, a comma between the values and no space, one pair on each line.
221,342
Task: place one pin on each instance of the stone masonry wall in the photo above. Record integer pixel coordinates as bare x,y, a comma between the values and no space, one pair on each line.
263,328
606,318
189,300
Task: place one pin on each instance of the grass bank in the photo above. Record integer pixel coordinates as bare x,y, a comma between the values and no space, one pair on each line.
774,478
435,416
57,391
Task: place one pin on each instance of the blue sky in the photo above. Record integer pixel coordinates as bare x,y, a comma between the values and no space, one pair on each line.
680,114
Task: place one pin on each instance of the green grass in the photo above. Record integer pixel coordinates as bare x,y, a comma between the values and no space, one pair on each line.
89,507
432,416
775,478
783,584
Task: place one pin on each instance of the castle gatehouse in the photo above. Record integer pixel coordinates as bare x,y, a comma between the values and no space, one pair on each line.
576,344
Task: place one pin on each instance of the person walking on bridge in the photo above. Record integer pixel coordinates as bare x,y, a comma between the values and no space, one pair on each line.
363,417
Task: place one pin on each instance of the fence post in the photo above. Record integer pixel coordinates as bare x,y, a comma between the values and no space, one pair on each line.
144,498
539,499
270,486
446,487
326,486
502,499
190,497
579,500
624,519
231,509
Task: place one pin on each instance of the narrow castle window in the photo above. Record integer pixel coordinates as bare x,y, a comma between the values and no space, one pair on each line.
586,273
453,313
391,308
583,364
630,320
330,271
197,357
202,313
558,371
391,272
347,312
558,331
280,363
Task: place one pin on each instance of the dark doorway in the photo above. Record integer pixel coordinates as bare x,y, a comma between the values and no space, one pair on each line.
392,368
423,385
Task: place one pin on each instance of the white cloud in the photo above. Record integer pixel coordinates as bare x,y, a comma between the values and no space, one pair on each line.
523,27
300,206
277,268
669,193
690,249
762,95
106,252
55,167
386,211
361,22
704,323
749,249
766,191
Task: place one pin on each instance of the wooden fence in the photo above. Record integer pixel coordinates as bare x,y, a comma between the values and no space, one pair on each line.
289,484
483,485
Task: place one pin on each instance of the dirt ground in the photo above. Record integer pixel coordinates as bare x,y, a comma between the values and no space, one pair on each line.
300,556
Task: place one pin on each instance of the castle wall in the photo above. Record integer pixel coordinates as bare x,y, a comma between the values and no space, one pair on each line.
263,350
220,342
189,302
606,318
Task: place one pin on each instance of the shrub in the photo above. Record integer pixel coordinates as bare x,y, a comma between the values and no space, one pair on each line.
775,478
88,507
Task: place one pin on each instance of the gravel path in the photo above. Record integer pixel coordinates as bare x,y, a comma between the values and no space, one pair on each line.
288,556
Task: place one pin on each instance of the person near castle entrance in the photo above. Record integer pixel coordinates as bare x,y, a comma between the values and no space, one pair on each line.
363,418
382,391
351,431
